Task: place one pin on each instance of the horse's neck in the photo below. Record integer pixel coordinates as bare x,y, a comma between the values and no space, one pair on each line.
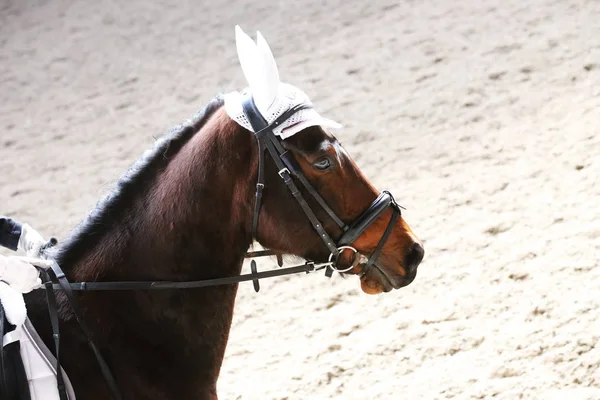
192,223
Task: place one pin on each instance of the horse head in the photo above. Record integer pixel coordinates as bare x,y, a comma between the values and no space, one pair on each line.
352,224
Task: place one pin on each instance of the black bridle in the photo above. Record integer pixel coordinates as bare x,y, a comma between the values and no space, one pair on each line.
55,279
288,167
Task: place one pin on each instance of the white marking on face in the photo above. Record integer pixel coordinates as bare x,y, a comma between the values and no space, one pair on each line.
340,152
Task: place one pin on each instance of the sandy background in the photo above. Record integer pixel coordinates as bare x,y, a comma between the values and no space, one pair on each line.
482,116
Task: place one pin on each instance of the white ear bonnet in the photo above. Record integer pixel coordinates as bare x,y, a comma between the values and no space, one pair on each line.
271,97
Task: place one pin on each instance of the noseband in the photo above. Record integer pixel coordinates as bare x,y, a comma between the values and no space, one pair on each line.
288,167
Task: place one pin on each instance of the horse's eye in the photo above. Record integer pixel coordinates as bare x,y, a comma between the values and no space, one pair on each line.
322,164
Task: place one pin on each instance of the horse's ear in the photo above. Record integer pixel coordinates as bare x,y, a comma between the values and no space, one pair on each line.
270,69
259,69
247,53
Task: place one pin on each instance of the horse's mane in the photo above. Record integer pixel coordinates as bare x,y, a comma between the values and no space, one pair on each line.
143,171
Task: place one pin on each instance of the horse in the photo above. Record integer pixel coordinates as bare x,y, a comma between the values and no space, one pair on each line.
187,211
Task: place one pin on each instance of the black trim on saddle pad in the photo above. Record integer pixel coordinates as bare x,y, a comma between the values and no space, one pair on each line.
17,381
13,378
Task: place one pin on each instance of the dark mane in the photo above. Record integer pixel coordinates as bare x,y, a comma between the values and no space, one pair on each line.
136,177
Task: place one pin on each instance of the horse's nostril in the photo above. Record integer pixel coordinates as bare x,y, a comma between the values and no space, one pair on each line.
414,256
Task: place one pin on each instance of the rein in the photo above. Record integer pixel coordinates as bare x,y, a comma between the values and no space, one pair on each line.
55,273
307,267
287,168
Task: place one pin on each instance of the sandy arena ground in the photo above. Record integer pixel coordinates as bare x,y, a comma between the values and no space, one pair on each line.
482,116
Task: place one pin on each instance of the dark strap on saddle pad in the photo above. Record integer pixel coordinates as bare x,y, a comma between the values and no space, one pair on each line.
13,378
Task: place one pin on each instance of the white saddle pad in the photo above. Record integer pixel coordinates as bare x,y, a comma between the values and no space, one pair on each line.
39,364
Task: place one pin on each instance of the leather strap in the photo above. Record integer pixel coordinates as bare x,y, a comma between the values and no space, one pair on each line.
68,288
53,312
294,168
288,166
371,261
287,179
370,215
291,163
161,285
258,123
260,185
65,286
266,138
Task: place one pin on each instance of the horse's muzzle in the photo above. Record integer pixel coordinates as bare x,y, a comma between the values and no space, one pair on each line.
413,258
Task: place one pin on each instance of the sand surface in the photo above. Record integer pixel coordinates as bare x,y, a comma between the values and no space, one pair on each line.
482,116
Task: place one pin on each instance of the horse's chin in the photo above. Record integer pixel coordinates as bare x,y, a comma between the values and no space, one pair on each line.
374,283
370,286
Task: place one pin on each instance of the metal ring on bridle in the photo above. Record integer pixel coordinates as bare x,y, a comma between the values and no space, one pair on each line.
334,263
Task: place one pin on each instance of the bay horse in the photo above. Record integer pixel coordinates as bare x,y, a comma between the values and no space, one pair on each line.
185,212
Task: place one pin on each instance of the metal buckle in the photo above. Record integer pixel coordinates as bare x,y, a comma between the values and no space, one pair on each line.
333,263
318,266
282,171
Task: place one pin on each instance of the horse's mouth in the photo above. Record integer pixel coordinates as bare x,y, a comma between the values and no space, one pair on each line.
376,280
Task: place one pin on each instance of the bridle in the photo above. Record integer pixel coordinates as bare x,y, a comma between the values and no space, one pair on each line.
288,168
54,278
